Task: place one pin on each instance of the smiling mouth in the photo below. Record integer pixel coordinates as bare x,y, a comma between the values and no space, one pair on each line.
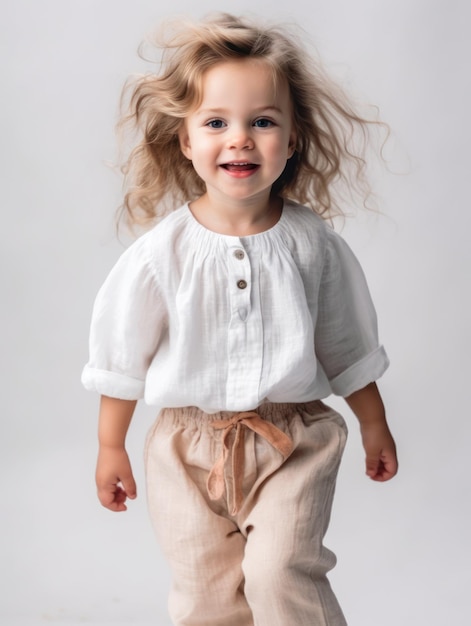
240,166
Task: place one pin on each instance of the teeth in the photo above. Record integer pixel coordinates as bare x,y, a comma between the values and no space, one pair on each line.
245,163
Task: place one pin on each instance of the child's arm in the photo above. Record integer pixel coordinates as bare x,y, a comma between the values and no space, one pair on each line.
114,478
381,459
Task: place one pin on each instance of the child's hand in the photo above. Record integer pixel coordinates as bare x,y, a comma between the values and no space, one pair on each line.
114,478
381,459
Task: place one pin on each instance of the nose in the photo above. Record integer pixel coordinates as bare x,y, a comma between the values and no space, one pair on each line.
240,138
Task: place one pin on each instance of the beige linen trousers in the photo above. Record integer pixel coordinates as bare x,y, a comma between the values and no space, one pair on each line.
240,503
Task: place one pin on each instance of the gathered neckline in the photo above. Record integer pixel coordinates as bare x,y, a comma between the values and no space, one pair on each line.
214,233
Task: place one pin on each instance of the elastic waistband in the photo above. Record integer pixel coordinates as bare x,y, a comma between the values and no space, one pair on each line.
270,411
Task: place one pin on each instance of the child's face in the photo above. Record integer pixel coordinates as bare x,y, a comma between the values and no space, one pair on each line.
241,134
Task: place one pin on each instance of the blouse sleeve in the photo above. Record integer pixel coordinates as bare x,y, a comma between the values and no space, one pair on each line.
127,322
346,336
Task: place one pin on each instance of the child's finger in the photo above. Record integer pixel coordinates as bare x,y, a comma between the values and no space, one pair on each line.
386,468
372,465
390,466
129,486
112,498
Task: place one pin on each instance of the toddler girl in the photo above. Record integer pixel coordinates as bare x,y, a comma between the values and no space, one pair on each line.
239,312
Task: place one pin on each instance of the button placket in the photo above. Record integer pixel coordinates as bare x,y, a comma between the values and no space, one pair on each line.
244,349
239,275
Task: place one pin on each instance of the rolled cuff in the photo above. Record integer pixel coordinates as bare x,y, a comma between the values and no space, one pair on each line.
360,374
112,384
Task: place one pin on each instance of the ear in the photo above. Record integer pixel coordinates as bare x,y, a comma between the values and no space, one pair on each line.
184,139
292,143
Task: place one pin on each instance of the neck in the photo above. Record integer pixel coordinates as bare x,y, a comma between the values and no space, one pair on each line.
239,219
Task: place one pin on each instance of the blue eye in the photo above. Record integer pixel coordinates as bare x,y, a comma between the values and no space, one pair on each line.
215,124
263,123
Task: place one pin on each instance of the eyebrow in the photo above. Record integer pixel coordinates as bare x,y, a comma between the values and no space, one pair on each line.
220,111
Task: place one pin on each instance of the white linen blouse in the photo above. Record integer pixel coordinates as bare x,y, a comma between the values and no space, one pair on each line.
190,317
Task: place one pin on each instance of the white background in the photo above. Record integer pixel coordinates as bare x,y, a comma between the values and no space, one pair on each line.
403,547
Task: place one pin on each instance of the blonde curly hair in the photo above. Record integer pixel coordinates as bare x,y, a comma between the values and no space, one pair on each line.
332,138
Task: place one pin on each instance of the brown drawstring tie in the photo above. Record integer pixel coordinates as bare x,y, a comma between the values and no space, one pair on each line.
276,437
